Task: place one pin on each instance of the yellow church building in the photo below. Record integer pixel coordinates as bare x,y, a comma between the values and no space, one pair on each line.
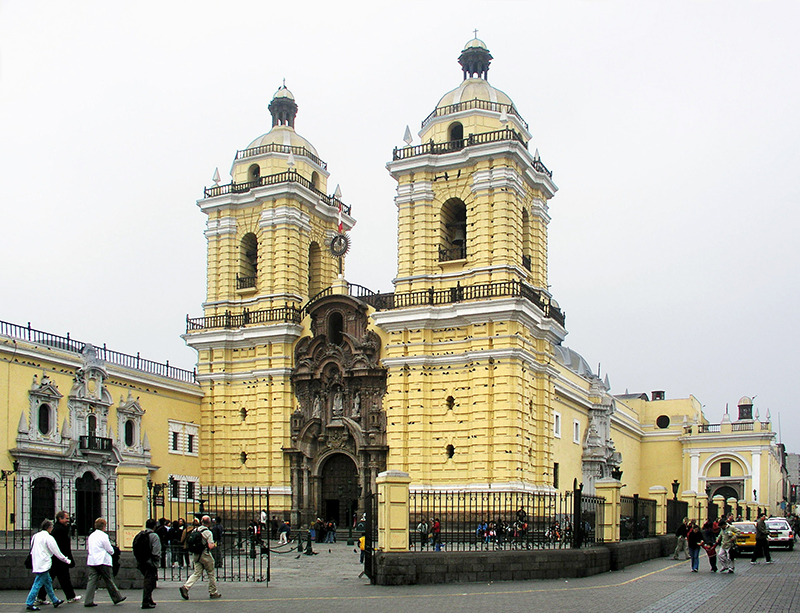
311,385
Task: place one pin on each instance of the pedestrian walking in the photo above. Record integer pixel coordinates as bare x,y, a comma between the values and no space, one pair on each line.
216,531
43,550
147,551
199,546
693,540
762,540
98,564
681,533
284,531
59,570
726,541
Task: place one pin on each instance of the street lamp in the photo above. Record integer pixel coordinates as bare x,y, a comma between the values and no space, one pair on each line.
708,499
675,487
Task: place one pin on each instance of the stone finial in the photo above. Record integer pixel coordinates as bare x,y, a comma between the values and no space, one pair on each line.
145,442
23,423
64,431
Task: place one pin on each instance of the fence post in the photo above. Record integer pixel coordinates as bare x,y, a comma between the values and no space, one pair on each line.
577,514
132,503
690,496
393,510
609,489
659,494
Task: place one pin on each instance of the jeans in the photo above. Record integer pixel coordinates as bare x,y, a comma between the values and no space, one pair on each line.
42,580
60,571
694,554
95,572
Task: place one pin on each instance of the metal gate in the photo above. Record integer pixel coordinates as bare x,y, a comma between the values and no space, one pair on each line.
370,535
241,514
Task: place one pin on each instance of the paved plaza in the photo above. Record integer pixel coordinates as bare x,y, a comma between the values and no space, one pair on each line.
329,582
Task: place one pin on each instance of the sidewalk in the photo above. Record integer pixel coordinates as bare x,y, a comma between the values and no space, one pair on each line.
329,582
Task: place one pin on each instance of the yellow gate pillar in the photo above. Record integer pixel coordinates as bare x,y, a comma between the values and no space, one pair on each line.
610,490
659,494
131,503
393,526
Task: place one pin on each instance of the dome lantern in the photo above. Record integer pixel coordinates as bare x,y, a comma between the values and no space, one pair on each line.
475,59
283,107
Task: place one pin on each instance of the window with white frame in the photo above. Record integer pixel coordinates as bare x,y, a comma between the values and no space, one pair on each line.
576,431
557,424
183,438
183,487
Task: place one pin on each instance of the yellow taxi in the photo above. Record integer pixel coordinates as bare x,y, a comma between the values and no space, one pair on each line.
747,538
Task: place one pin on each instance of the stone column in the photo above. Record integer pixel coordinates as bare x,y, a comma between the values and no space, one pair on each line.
609,489
393,509
659,494
131,503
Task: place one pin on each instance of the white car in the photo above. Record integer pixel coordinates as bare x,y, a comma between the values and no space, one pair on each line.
780,532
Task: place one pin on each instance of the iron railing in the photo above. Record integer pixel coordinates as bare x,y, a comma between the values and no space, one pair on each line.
95,443
65,343
475,103
243,552
637,517
25,502
276,148
500,520
290,176
432,148
448,254
285,314
245,282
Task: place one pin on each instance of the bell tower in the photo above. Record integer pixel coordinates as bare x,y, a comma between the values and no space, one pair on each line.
472,324
269,234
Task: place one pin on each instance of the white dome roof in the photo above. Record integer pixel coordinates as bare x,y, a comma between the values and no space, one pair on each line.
283,92
282,135
745,400
475,43
472,89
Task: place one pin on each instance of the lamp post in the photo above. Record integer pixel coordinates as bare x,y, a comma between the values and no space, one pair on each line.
675,487
708,499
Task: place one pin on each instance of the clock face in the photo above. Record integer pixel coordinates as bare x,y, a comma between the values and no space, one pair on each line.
340,243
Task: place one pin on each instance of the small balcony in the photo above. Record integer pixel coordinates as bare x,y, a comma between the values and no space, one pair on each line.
448,254
95,443
245,282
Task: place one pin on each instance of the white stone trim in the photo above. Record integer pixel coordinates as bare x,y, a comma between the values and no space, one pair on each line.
183,430
416,191
285,215
243,337
220,227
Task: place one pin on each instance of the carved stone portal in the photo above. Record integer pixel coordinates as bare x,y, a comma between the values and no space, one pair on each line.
338,443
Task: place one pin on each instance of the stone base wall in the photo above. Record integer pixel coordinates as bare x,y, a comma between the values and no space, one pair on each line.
417,568
14,575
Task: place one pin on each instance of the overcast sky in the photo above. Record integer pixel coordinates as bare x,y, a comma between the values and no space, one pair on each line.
671,128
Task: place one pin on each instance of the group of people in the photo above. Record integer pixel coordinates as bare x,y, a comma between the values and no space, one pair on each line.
718,537
173,536
430,532
51,557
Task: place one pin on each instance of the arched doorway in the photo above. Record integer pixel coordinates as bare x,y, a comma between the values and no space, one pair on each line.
43,501
88,502
339,490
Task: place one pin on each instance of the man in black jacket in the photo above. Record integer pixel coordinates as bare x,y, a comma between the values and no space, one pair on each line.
148,565
682,532
59,570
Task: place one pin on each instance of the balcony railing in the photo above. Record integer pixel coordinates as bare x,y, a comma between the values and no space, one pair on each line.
466,105
245,282
432,148
276,148
65,343
706,428
95,443
448,254
285,314
290,176
747,426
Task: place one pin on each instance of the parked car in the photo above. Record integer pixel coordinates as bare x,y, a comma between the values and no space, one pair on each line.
780,532
747,538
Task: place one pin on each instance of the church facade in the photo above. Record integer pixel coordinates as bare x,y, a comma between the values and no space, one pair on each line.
312,385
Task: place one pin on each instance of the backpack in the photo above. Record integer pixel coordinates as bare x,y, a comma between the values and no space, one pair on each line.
141,548
196,543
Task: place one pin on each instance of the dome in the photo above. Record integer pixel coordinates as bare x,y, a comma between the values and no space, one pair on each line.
473,89
283,92
475,43
282,135
744,400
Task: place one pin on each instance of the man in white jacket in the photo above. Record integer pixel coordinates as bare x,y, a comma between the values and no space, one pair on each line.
43,548
99,564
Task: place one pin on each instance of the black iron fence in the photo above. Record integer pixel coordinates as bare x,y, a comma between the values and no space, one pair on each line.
244,522
637,517
26,501
491,520
676,511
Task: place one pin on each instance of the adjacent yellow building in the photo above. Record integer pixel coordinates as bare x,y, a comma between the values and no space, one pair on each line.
311,385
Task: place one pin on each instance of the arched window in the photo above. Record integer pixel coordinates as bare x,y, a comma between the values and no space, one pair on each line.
130,433
336,328
451,402
455,132
527,247
91,425
248,262
314,270
315,179
44,419
254,174
453,231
